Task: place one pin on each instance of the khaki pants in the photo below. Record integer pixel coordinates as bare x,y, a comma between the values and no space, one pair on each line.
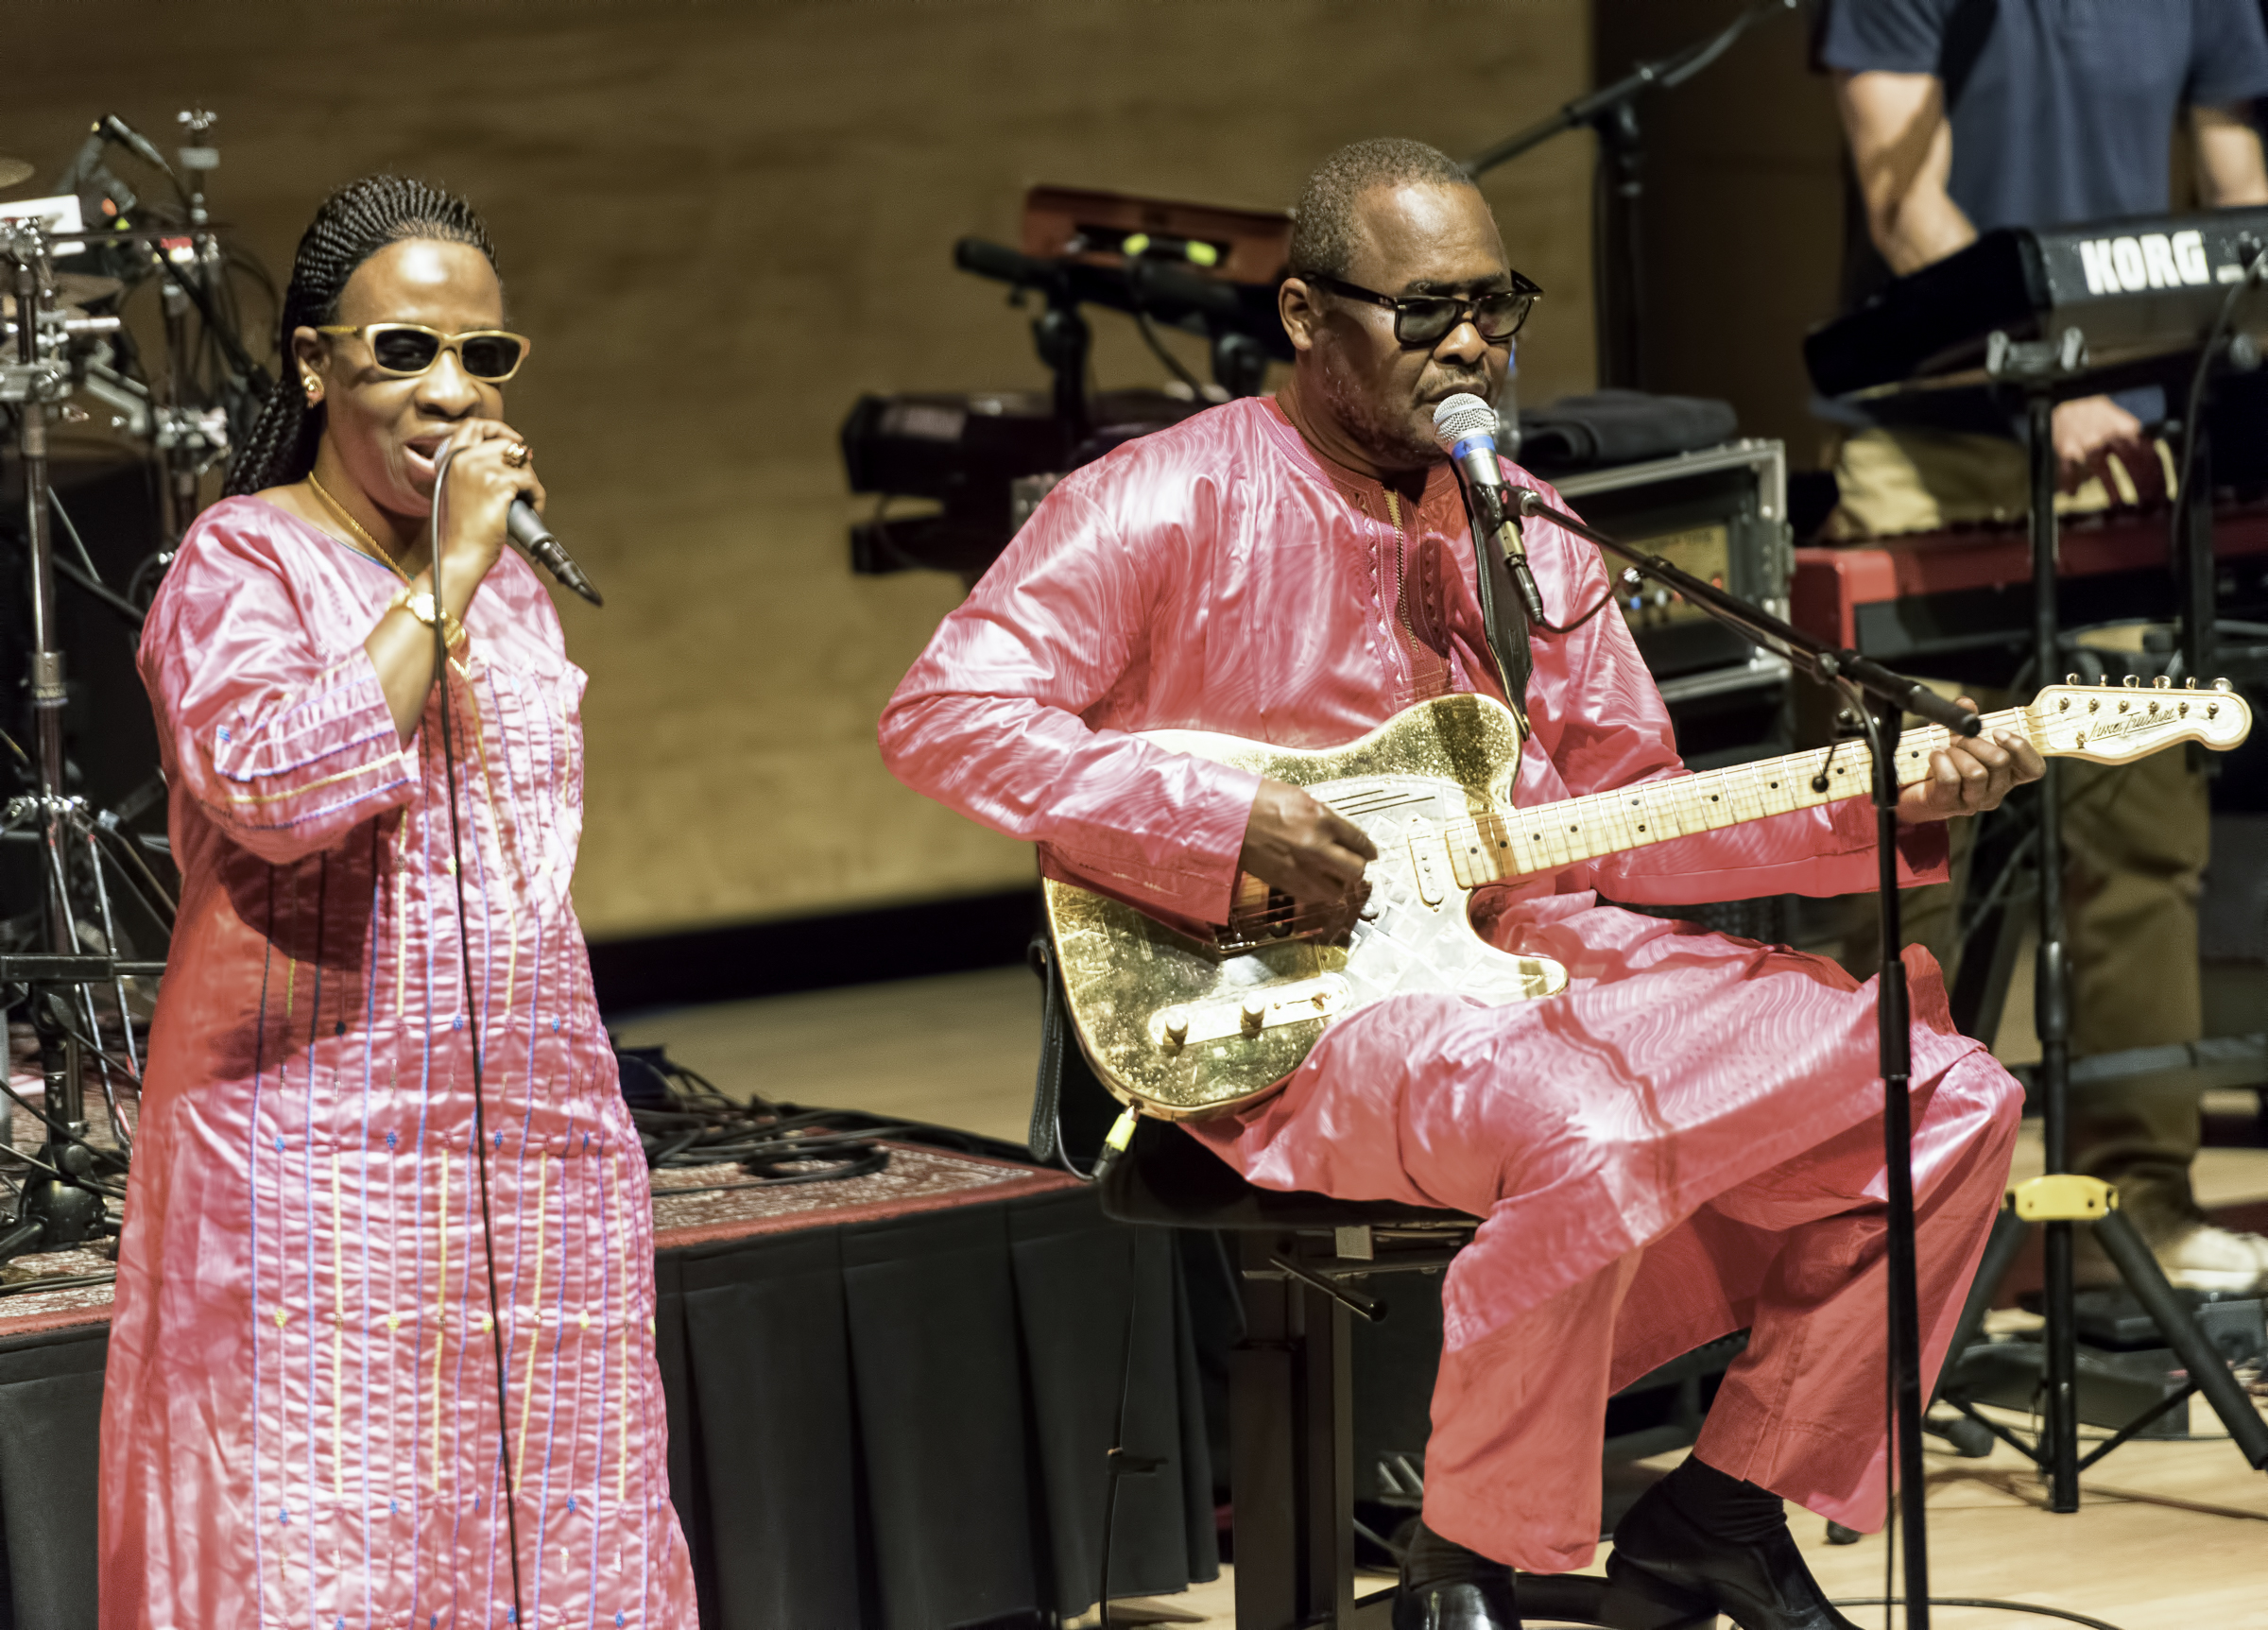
2136,840
1893,481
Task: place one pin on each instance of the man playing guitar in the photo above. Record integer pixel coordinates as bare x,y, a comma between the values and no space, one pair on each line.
1684,1142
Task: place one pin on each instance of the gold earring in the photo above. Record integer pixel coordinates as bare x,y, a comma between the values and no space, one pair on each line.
313,386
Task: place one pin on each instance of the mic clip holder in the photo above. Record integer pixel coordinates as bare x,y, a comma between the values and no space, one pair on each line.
1492,520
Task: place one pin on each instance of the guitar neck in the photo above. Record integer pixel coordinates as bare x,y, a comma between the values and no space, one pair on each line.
1523,842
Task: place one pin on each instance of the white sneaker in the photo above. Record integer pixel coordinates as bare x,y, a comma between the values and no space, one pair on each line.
2210,1259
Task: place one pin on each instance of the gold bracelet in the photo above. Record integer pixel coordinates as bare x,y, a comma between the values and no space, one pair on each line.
420,604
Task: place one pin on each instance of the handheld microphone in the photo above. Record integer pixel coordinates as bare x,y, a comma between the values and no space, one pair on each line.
527,530
1465,428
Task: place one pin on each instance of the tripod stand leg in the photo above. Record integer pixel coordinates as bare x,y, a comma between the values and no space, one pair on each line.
2124,1243
2001,1248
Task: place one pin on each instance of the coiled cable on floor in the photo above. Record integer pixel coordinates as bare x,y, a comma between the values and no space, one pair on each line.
684,1120
1991,1604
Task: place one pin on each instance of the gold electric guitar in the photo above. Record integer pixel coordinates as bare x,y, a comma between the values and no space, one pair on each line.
1181,1028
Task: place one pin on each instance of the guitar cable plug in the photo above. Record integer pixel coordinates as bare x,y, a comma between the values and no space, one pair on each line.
1121,1135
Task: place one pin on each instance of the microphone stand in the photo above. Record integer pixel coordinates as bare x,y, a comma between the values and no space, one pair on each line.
1611,112
1882,697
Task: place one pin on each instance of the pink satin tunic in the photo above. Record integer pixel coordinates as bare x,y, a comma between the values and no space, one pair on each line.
1220,576
300,1411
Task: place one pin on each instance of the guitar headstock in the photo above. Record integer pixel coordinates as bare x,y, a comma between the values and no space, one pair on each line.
2116,724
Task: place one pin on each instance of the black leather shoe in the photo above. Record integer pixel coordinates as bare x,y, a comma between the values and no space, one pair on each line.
1484,1605
1660,1554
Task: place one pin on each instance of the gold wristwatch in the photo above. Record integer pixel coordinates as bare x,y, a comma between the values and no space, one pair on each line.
419,603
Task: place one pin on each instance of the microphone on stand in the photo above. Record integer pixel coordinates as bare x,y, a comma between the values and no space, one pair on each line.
1465,428
110,127
527,530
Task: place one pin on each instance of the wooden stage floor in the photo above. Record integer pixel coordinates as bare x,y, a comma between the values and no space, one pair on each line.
2167,1536
2170,1536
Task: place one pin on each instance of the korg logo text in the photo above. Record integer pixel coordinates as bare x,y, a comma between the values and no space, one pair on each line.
2154,260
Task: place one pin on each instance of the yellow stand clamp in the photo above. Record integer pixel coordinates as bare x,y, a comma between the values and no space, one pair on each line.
2062,1198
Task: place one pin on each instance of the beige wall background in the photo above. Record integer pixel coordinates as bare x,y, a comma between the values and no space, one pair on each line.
722,223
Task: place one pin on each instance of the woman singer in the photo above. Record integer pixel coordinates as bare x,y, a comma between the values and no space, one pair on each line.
385,1300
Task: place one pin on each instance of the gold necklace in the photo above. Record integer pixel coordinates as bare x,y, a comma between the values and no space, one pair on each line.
375,549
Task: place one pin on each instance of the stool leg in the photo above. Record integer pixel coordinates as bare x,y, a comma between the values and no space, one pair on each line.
1327,1424
1263,1423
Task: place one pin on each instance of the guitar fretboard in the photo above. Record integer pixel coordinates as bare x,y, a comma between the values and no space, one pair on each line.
1522,842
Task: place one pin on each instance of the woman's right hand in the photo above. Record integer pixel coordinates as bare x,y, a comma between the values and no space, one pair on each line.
476,500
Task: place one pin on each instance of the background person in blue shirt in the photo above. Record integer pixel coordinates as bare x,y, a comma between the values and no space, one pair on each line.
1964,116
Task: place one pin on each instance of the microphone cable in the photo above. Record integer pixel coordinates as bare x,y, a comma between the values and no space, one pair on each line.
464,944
2256,269
1487,516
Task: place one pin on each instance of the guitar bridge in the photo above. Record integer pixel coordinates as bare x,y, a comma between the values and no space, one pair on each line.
1264,1008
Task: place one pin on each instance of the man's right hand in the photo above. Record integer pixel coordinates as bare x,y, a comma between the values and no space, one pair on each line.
1298,844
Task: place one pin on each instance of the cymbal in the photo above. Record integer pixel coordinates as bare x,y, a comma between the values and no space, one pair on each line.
73,291
80,288
8,308
15,172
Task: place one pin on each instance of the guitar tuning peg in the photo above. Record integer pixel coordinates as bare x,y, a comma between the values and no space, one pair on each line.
2134,681
2221,685
2191,683
2071,678
2163,682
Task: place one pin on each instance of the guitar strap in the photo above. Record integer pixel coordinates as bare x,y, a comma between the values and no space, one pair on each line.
1071,1109
1046,1138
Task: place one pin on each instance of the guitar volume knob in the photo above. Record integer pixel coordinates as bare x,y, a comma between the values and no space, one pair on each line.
1254,1014
1174,1023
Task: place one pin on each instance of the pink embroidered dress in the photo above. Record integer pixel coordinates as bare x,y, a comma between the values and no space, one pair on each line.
1675,1148
299,1417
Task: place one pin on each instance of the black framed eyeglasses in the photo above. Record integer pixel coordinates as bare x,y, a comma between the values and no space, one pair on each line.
1423,319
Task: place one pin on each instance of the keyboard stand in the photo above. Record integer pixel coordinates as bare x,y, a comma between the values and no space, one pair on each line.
2046,371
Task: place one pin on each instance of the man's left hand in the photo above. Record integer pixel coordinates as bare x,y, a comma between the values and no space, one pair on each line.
1970,775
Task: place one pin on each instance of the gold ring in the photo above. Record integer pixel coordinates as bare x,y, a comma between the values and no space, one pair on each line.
518,454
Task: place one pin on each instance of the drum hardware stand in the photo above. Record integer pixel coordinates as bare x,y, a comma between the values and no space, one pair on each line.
1611,113
1065,340
1881,698
1059,333
60,1204
2045,371
191,439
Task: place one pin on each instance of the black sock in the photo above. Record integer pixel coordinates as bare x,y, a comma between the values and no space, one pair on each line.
1724,1508
1428,1559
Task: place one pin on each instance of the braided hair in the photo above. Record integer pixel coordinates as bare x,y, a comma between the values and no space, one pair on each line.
354,223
